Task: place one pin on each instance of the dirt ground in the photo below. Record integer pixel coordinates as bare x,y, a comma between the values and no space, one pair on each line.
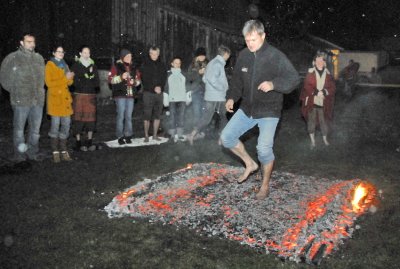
52,214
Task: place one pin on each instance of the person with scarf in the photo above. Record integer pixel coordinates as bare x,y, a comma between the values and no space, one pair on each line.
124,78
175,88
86,82
195,82
318,97
59,103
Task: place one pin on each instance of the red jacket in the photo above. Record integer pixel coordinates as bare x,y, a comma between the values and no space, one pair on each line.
308,93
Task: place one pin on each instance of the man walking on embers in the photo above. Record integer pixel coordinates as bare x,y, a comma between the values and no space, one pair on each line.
261,76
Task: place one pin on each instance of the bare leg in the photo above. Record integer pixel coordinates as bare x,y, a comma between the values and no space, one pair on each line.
146,130
325,140
90,135
312,137
264,190
156,125
250,164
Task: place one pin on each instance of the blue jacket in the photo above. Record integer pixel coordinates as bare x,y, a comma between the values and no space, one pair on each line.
215,80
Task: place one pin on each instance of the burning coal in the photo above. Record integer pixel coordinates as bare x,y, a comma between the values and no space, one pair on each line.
304,218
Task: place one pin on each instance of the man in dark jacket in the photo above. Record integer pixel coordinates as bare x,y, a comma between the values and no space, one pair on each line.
154,76
22,74
262,75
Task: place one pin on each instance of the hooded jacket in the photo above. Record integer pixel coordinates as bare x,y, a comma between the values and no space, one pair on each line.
215,80
176,85
253,68
59,99
22,74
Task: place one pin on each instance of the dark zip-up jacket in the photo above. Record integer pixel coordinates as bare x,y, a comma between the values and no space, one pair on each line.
154,73
85,81
253,68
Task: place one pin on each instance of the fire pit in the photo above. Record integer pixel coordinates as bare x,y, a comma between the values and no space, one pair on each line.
303,219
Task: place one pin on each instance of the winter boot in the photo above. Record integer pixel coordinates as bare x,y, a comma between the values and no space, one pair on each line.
64,150
54,148
56,157
121,141
128,139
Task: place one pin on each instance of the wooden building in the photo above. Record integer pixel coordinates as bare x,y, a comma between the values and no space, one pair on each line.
178,27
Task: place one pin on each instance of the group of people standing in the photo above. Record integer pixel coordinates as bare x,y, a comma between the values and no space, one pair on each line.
23,73
261,76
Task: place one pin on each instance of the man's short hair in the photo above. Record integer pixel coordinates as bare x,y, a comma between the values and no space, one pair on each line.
26,34
154,48
223,49
253,26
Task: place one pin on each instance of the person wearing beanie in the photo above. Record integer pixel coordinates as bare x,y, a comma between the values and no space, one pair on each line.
200,52
214,98
196,85
86,83
124,78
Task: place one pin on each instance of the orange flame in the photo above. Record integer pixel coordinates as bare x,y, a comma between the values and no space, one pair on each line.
360,192
189,166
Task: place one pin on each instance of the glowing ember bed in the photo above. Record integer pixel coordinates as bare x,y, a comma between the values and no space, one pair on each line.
303,219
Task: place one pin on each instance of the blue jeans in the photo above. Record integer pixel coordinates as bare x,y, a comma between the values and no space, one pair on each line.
60,127
124,116
197,105
177,115
210,107
240,123
32,114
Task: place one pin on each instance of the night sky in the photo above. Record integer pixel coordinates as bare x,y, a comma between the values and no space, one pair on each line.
354,24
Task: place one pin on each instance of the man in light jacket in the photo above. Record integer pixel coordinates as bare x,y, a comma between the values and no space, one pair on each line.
216,88
22,74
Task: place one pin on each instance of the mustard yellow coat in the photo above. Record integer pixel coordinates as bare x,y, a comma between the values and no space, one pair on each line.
59,99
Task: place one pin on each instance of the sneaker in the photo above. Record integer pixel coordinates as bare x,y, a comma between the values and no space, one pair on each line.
176,138
92,148
121,141
83,148
38,157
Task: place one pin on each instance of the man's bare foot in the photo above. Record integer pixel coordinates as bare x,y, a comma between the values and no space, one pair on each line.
262,194
146,139
247,172
156,138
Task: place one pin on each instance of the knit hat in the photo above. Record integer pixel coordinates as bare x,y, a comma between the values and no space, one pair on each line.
200,51
123,53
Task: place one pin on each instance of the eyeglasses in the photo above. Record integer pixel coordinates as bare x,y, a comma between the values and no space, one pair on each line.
60,51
